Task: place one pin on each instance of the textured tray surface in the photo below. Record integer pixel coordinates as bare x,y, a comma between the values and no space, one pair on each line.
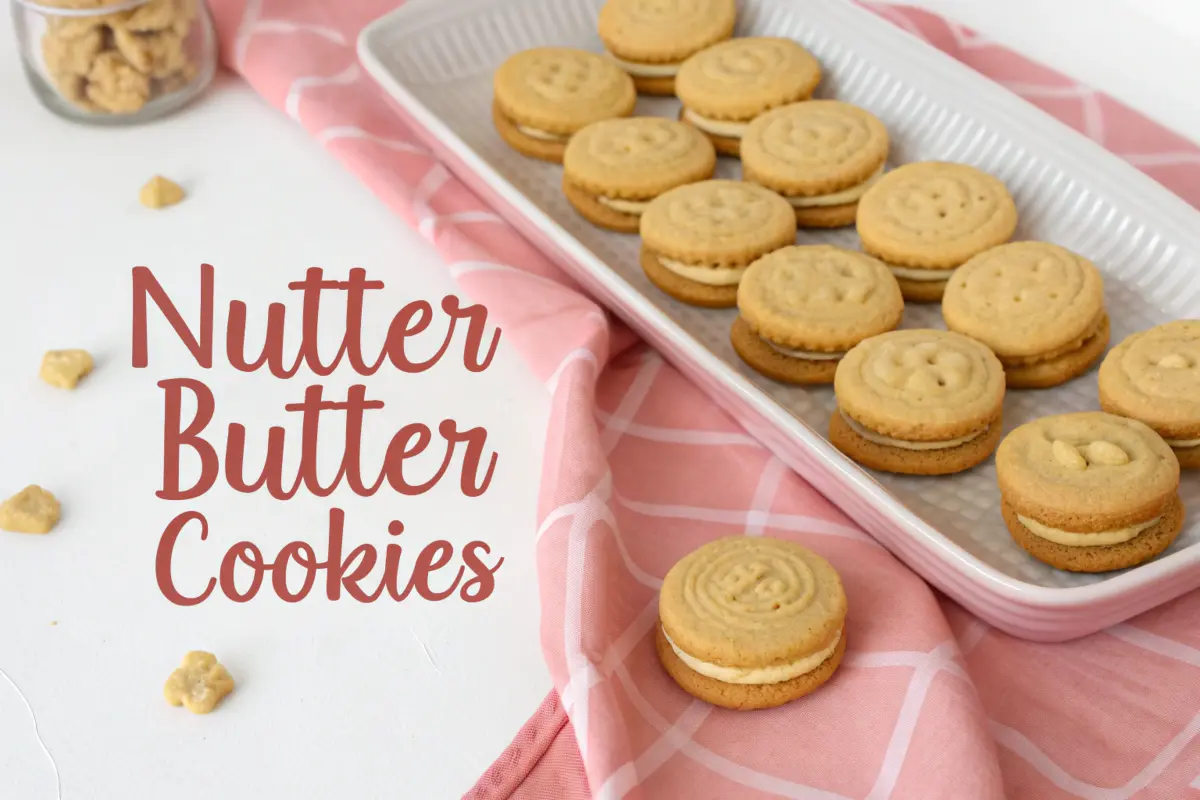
1150,268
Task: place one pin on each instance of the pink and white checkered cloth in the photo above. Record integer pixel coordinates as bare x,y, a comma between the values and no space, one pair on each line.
641,468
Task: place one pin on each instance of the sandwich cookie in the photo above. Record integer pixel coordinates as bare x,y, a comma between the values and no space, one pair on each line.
821,155
751,622
698,240
928,218
918,402
1039,306
801,308
615,167
726,86
1089,492
1154,377
544,95
651,39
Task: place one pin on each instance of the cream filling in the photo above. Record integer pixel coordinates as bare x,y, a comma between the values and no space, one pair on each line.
710,276
931,275
756,676
647,70
1069,539
850,195
634,207
807,355
1183,444
717,127
904,444
545,136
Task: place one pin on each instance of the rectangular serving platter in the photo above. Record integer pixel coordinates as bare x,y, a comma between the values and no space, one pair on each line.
436,59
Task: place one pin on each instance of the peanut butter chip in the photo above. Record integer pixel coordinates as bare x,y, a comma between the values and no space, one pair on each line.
1106,454
160,192
64,368
1068,455
1173,361
199,684
31,510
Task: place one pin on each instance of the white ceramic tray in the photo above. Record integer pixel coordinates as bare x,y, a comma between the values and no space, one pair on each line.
436,60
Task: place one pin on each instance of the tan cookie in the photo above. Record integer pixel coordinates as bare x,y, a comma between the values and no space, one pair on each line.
1154,376
930,217
726,86
809,305
115,85
706,234
612,169
1038,306
821,155
1089,480
650,39
915,391
544,95
751,622
72,53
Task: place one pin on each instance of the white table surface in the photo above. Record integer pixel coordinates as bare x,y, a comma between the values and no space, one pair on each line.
334,699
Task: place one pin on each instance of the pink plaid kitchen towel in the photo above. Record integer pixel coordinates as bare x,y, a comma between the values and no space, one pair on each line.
640,468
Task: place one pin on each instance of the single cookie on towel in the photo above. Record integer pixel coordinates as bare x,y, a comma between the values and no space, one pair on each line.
1154,376
918,402
726,86
1039,306
651,39
543,96
698,240
802,307
612,169
1089,492
928,218
821,155
750,622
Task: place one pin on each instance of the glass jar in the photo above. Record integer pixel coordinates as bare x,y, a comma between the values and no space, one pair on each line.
116,61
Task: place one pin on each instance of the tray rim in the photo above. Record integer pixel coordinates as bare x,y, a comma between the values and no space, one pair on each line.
1106,173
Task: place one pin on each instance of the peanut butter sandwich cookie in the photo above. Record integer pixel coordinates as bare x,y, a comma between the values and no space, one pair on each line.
650,39
726,86
801,308
1089,492
918,402
928,218
751,622
821,155
698,240
544,95
1038,306
1154,377
615,167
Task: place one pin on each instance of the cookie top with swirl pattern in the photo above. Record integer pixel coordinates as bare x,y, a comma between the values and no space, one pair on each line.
718,222
935,215
742,78
921,385
1154,376
748,601
664,31
560,90
638,157
812,148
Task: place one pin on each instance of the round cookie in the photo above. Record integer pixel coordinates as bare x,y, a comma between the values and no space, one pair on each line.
1154,376
802,307
650,39
727,85
698,240
751,622
821,155
928,218
543,96
612,169
1038,306
918,402
1089,491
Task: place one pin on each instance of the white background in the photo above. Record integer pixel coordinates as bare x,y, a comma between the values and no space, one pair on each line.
342,700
